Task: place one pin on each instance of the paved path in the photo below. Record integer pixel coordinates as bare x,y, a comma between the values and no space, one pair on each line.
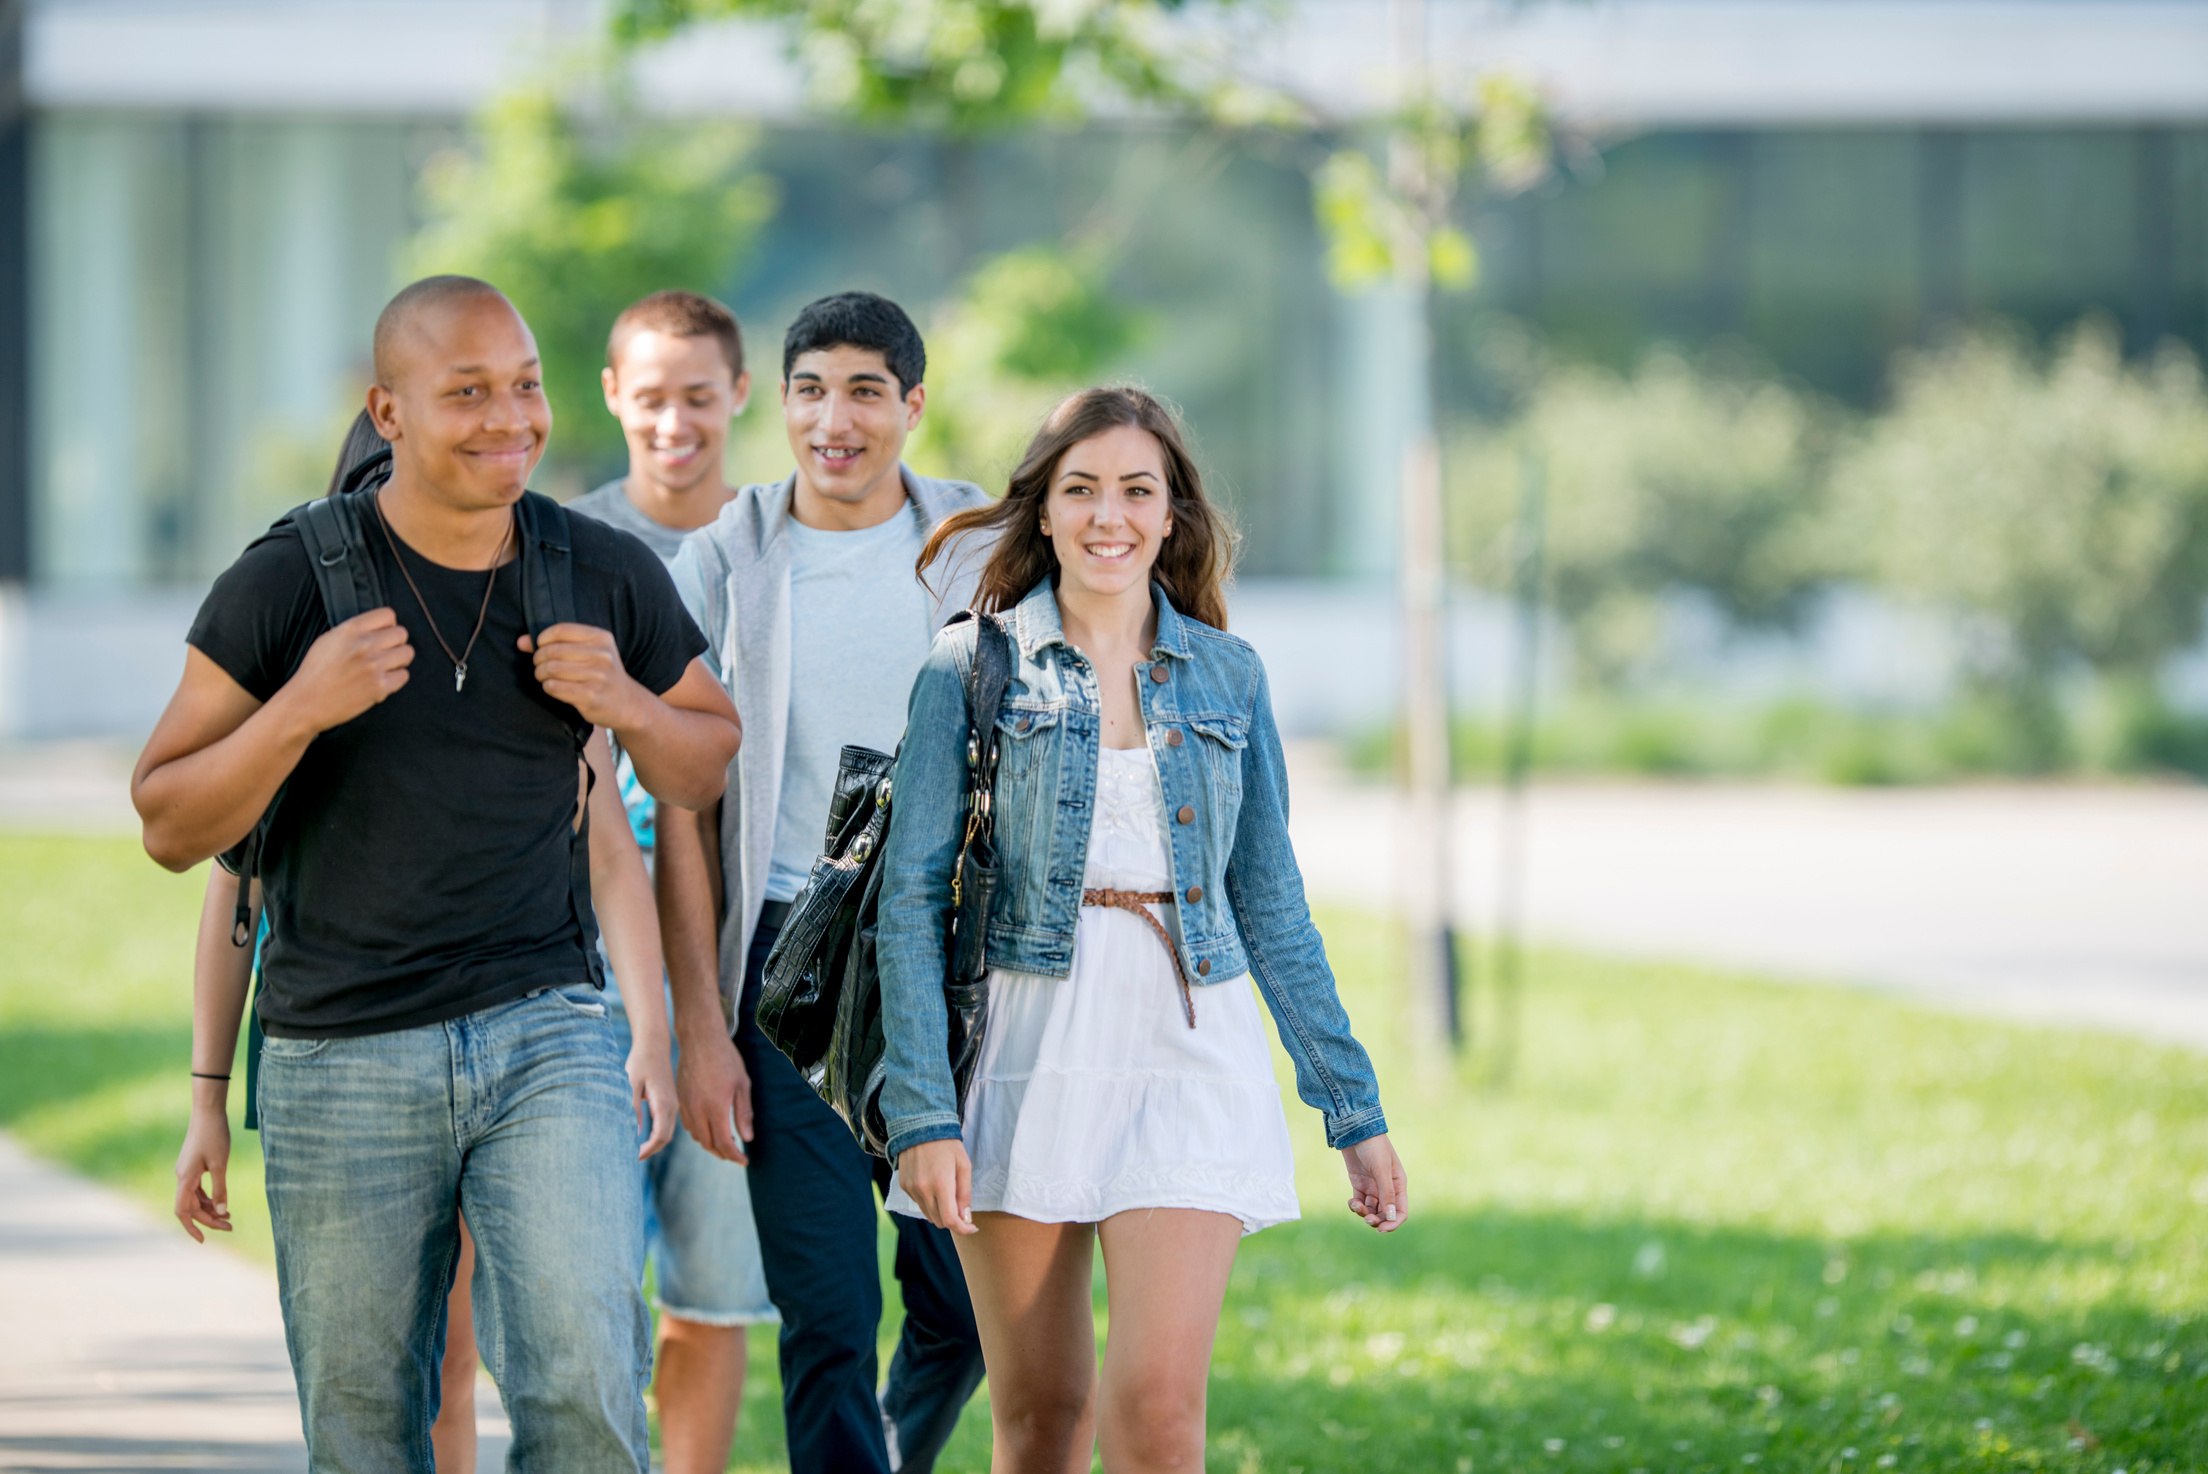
2083,905
67,787
125,1348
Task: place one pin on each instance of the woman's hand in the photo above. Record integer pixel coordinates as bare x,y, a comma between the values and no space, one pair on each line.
1377,1190
206,1153
939,1176
652,1088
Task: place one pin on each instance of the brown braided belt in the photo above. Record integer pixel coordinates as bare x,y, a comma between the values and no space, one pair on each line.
1138,903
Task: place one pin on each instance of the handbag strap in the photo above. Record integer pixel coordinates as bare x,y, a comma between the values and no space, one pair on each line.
986,682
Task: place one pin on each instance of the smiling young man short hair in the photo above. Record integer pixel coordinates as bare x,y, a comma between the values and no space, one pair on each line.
434,1036
674,378
807,592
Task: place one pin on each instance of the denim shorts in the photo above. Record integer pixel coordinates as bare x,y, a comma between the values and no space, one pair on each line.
698,1229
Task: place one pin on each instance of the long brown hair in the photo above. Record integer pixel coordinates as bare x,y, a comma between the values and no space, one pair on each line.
1193,564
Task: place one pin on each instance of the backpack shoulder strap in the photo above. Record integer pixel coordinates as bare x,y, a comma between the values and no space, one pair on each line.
335,532
547,563
548,598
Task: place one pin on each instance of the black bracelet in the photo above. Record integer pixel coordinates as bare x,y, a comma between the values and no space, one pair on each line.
196,1075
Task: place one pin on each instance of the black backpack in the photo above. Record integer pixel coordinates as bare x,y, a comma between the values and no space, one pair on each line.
335,530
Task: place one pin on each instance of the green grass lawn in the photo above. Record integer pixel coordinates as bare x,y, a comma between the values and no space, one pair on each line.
1715,1224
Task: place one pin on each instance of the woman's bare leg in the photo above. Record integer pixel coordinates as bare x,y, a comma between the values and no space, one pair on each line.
453,1434
1165,1273
1030,1287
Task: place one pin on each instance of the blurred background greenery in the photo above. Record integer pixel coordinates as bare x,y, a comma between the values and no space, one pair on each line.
2041,496
1872,450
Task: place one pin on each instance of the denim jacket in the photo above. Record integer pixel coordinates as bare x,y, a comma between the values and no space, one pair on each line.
1240,896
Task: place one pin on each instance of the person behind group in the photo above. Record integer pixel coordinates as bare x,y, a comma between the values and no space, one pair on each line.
806,590
1124,1094
675,378
435,1036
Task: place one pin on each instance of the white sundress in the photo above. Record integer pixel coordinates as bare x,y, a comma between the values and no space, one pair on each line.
1093,1096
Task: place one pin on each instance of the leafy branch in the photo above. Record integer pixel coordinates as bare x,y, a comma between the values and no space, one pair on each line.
974,66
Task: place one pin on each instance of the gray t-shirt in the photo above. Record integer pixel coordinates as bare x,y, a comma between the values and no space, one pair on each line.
859,631
610,504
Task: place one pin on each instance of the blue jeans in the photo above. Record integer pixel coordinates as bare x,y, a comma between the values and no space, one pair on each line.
519,1115
814,1203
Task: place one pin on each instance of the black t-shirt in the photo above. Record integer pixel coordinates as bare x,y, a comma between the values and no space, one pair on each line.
418,867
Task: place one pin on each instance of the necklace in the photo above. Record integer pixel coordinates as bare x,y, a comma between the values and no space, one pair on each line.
460,661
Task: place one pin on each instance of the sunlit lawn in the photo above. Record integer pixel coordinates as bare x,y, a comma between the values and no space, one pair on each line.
1716,1224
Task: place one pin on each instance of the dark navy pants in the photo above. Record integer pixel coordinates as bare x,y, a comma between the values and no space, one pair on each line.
813,1195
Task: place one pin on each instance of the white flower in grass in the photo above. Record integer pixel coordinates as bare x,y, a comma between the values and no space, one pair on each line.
1691,1337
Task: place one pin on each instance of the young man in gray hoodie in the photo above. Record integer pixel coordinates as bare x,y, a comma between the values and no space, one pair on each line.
817,623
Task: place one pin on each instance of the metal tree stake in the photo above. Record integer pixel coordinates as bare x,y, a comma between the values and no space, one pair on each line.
1510,871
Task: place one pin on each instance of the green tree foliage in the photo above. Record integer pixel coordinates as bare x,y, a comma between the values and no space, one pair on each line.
1682,476
1026,329
975,65
2058,502
970,66
1029,325
1398,221
575,222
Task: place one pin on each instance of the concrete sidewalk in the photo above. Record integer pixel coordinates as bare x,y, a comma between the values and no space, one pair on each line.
2051,903
125,1348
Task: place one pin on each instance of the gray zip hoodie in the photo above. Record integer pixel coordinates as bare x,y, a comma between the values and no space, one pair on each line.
734,575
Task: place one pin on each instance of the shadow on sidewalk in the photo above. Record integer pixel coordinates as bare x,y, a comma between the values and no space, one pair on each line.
144,1456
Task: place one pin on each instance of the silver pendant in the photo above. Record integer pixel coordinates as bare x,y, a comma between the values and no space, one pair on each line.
459,676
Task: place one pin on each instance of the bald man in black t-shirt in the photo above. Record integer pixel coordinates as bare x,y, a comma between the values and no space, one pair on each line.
435,1040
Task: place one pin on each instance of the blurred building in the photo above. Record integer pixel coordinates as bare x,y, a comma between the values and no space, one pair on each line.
200,202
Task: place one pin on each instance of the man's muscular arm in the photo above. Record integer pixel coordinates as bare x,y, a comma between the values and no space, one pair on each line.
710,1080
217,756
680,743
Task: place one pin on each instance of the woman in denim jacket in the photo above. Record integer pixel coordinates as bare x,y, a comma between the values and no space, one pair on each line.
1123,1094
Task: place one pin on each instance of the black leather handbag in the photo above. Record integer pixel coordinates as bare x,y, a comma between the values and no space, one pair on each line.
820,1001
